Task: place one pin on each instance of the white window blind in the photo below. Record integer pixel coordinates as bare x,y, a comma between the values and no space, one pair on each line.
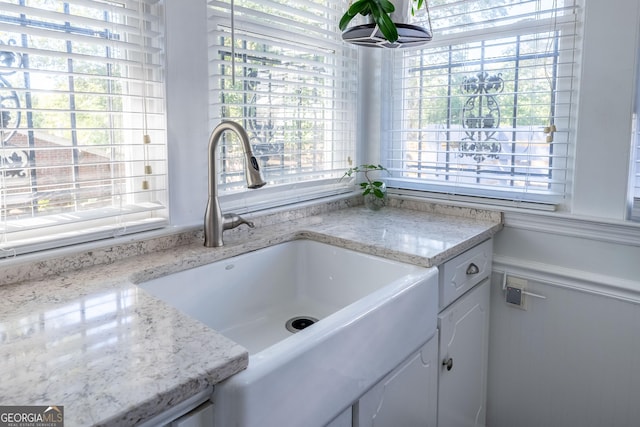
634,181
82,121
281,70
486,108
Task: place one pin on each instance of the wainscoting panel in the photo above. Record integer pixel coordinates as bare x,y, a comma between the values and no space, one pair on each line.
571,359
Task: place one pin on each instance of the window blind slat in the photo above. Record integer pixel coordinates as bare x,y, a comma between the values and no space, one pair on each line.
57,19
307,40
65,54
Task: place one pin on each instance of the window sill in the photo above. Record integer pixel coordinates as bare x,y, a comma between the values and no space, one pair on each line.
543,218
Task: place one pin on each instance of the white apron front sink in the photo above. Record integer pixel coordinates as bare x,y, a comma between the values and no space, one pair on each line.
371,314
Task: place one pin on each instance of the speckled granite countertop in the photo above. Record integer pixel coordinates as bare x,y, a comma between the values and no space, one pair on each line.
76,330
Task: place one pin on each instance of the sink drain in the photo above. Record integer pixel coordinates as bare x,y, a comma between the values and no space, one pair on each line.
298,323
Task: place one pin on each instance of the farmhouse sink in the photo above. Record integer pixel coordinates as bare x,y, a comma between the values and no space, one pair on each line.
322,324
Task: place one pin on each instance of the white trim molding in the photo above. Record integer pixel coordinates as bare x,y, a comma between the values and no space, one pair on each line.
611,231
588,282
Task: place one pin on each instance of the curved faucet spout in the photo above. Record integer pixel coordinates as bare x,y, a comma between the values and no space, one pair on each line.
214,223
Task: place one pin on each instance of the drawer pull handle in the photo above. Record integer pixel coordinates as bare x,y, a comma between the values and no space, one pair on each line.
448,363
473,269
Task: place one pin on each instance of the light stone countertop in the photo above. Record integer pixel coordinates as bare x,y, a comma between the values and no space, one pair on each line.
76,331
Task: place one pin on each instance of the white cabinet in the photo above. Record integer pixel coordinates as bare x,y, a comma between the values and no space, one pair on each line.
462,382
406,396
445,382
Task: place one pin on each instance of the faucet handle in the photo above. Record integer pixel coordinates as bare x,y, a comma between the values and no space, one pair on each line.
231,220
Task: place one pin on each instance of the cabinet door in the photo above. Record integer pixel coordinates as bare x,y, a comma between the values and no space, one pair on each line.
406,396
462,382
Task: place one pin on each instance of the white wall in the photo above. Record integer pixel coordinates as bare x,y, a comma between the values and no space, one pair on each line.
573,359
605,106
188,124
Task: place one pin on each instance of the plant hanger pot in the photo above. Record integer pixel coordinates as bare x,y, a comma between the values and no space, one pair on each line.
388,25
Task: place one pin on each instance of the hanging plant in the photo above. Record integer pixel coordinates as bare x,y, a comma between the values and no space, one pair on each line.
380,11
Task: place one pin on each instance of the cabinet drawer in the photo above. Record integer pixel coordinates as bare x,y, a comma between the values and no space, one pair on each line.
463,272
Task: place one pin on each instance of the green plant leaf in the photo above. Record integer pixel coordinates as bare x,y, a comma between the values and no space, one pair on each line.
378,193
344,21
359,6
367,186
386,6
386,26
362,7
419,4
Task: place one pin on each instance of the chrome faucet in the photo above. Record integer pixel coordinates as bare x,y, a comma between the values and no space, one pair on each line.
214,221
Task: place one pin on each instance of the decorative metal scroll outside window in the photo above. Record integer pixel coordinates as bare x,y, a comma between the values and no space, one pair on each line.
264,133
481,116
13,162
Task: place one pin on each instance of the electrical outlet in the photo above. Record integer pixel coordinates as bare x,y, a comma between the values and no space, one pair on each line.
515,295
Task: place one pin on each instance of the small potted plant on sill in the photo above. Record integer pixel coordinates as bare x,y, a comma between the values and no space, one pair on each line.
383,13
373,190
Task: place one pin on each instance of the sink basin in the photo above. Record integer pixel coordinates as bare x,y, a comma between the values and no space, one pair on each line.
370,313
